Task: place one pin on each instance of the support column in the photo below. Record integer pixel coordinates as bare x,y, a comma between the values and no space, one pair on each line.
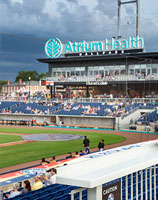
54,91
137,19
95,193
87,91
51,93
118,25
50,70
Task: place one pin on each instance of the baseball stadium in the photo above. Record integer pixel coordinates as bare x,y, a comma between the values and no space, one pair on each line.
95,137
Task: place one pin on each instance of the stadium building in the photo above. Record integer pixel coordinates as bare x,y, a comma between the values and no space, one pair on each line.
118,67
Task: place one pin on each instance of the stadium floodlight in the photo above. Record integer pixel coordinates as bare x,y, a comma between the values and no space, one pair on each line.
137,15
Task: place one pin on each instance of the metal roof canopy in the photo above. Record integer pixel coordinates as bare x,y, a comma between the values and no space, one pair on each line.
90,173
146,56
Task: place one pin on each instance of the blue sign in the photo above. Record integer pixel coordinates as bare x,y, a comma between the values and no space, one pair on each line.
53,48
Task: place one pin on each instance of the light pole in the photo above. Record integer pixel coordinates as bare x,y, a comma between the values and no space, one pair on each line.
29,87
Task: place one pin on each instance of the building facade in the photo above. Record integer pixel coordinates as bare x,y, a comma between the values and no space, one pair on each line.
129,73
23,88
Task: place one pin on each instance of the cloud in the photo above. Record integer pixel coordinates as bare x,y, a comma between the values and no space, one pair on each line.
74,20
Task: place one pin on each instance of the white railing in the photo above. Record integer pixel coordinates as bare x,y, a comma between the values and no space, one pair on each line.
133,186
79,190
106,78
105,100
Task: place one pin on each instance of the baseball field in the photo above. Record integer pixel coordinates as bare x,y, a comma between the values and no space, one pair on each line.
13,152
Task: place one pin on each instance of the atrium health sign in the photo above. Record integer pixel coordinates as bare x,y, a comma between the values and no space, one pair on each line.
54,48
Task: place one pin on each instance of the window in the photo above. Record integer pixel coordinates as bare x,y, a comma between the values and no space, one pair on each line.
154,71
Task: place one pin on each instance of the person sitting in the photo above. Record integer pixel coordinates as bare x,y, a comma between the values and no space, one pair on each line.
53,173
15,191
69,156
27,187
101,145
82,153
46,181
38,183
77,155
52,160
44,162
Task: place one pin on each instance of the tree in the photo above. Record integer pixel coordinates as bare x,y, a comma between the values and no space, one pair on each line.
24,75
42,75
2,83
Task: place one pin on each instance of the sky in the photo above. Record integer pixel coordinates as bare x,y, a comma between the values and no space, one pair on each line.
26,25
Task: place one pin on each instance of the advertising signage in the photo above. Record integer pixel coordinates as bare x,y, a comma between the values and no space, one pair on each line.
54,47
112,191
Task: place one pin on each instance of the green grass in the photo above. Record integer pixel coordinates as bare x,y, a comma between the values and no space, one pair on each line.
9,138
23,153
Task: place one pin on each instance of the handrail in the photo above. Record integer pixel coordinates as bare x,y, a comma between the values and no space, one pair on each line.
79,190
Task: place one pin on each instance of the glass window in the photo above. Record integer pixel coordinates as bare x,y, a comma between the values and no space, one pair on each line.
77,73
82,73
101,72
116,72
95,72
131,71
148,71
154,71
91,73
122,71
101,67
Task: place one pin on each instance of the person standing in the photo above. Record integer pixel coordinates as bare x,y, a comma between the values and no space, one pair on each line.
86,143
101,145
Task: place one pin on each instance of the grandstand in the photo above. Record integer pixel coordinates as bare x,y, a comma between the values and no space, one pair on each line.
108,113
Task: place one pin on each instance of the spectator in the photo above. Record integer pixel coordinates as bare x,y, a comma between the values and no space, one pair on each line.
131,121
82,153
47,182
52,160
77,155
38,183
101,145
60,123
44,162
147,128
15,191
70,155
86,143
53,176
27,187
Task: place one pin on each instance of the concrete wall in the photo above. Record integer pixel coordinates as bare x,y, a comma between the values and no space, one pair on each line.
86,121
38,118
89,121
124,123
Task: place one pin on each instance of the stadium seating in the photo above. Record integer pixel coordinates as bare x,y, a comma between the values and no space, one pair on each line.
150,117
52,192
99,112
7,105
30,107
62,192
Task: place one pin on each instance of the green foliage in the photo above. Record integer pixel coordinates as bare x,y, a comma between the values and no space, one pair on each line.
2,83
37,150
34,76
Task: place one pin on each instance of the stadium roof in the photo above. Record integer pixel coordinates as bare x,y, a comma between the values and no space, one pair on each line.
134,56
96,169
